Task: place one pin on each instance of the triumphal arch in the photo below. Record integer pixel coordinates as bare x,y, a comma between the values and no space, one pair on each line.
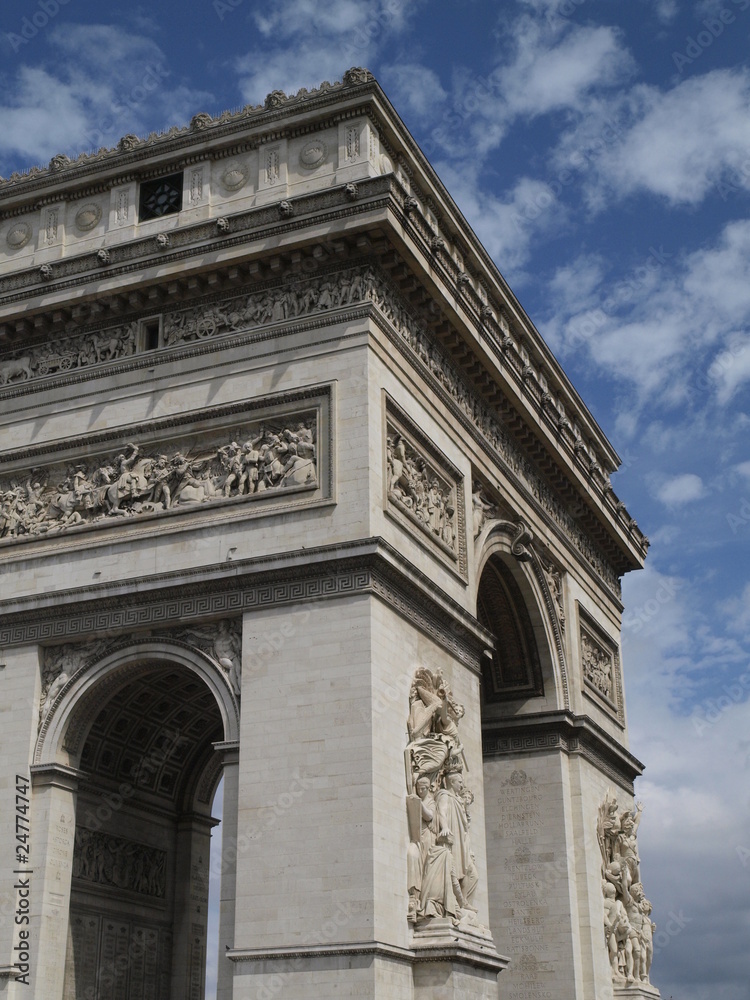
293,494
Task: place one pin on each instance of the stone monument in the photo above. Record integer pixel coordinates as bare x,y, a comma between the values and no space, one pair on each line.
293,492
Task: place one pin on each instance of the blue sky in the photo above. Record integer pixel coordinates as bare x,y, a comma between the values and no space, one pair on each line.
601,150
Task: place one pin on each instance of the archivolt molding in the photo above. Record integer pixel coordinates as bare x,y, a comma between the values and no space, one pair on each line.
96,678
516,538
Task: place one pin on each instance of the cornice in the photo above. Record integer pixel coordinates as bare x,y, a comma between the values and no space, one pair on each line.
458,952
370,567
564,732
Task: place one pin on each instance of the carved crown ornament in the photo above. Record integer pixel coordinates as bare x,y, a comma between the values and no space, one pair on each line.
275,101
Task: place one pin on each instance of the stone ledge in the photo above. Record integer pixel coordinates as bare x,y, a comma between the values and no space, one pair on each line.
378,948
439,940
636,991
572,734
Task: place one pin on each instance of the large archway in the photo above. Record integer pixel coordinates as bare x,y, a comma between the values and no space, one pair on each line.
513,669
141,728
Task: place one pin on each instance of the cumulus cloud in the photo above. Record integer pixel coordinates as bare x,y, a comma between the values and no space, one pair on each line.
679,490
687,696
100,83
669,326
679,144
303,42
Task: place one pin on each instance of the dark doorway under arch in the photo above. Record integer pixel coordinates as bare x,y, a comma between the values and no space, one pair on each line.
139,892
513,670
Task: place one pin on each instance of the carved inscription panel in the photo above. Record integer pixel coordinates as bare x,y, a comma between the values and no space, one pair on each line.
117,959
530,873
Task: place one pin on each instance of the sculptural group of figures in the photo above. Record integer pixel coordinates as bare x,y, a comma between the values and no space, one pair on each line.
423,495
597,666
441,871
134,483
628,928
271,306
73,352
121,863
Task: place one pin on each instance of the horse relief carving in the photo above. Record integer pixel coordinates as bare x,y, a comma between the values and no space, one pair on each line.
134,482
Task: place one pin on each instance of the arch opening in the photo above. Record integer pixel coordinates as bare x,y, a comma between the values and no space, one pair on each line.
513,670
140,872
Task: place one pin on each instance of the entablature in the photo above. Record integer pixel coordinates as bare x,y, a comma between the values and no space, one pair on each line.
403,219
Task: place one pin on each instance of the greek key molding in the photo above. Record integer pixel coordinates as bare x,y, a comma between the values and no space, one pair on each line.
370,567
565,732
364,286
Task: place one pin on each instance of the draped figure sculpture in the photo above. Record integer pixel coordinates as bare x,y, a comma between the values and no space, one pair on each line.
441,871
628,928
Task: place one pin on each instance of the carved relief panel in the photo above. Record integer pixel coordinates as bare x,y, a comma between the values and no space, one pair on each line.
424,492
600,666
254,453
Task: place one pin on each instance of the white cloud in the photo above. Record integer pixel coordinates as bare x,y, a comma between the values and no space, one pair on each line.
680,144
549,75
669,326
688,711
304,42
103,83
415,88
679,490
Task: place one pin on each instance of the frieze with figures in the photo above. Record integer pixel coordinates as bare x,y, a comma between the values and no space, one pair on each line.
287,302
254,460
123,864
